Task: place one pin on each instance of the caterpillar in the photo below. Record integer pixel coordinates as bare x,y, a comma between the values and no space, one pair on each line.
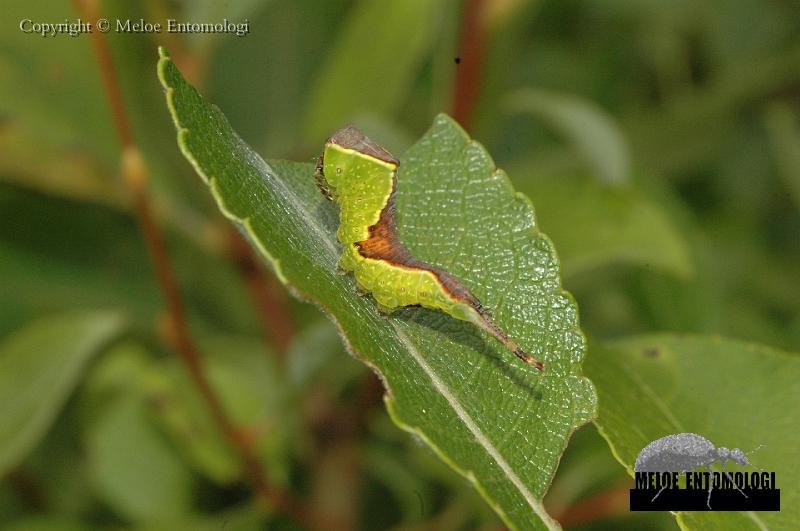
361,177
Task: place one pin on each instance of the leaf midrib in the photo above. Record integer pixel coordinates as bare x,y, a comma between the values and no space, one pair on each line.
473,428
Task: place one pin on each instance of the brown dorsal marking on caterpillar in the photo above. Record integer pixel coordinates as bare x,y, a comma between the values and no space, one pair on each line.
384,244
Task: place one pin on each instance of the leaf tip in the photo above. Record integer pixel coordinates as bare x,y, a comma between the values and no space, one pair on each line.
445,119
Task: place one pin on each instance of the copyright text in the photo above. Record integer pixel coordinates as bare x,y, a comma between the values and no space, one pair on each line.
77,27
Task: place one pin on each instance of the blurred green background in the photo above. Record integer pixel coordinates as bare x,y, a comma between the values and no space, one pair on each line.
658,141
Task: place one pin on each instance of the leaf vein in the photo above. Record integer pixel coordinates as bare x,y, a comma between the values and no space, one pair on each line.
480,437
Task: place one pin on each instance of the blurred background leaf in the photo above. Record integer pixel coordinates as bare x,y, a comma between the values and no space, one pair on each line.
626,227
40,365
382,45
587,128
132,467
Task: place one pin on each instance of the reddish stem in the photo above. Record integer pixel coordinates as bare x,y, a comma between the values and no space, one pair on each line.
136,176
614,501
471,52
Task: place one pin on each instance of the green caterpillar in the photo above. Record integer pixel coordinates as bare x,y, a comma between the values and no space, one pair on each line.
361,177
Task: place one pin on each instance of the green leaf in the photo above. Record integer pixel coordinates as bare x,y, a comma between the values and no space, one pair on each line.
47,272
128,369
675,138
50,522
133,467
411,493
783,128
315,356
254,394
40,365
373,62
595,226
591,130
61,171
735,394
498,422
29,68
185,417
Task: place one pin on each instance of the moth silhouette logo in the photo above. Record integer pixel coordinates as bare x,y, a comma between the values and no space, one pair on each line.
662,464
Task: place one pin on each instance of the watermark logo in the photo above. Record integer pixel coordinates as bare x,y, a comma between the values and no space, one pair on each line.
667,478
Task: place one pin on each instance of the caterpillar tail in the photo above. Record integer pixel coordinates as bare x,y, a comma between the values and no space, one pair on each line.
482,320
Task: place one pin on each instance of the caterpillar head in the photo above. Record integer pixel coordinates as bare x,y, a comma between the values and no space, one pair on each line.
348,137
341,149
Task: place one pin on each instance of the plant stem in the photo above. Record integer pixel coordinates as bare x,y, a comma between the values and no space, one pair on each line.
471,51
610,502
136,177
